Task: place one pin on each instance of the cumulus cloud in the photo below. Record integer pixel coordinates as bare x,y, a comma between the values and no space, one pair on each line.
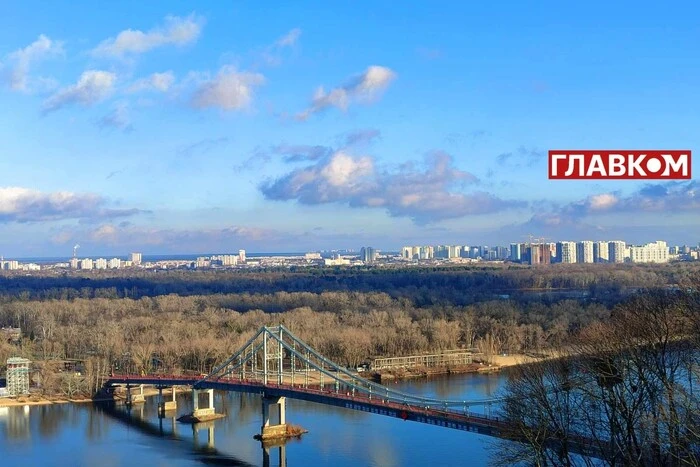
24,205
668,197
92,87
425,196
229,90
176,31
158,82
117,118
366,86
21,60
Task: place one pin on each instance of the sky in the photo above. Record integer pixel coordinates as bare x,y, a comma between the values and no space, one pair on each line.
195,127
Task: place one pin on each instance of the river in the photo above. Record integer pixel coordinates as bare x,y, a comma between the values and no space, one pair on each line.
84,434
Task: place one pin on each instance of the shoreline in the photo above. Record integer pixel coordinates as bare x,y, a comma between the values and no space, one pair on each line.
500,363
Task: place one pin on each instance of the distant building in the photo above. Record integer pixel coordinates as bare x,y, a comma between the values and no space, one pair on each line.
114,263
515,252
584,252
539,253
566,252
337,261
11,335
229,260
600,252
86,264
454,251
10,265
656,252
368,254
241,256
74,263
314,256
616,251
135,259
100,263
17,376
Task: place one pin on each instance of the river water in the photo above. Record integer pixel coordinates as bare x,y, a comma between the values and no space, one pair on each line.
84,434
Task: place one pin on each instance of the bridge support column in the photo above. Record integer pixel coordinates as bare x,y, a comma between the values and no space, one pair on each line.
279,430
163,405
203,413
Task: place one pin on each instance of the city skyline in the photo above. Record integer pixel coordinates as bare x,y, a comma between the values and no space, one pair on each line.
159,128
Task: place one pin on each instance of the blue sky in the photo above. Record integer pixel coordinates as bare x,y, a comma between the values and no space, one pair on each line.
180,127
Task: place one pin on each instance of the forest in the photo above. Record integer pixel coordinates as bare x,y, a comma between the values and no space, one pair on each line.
173,321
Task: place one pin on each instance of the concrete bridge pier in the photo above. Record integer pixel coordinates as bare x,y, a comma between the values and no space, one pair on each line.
134,398
163,405
204,412
269,431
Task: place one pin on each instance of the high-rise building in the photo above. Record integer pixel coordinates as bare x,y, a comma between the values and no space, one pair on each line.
241,256
566,252
74,263
515,252
539,253
407,252
656,252
368,254
600,252
135,259
454,251
616,251
100,263
86,264
584,251
114,263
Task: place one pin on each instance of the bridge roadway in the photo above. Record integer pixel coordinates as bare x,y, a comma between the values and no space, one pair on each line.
375,404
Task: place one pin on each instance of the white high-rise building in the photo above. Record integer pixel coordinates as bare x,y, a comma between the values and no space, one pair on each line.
86,264
241,256
600,252
74,263
584,252
100,263
566,252
656,252
135,259
616,251
114,263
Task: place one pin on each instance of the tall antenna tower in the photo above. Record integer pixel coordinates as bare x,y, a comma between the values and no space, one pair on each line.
75,250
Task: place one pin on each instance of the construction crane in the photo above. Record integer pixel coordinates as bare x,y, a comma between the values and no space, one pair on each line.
75,250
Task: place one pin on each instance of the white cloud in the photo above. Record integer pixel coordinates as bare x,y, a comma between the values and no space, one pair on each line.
160,82
228,90
366,87
289,39
176,31
425,196
21,60
92,87
19,204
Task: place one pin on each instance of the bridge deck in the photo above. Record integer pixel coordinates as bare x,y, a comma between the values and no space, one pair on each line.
466,421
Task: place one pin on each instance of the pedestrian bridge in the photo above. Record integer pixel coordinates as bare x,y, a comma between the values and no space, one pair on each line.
276,364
